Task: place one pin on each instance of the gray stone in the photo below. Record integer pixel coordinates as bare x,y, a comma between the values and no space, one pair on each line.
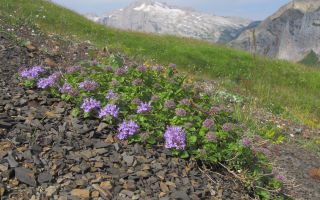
26,176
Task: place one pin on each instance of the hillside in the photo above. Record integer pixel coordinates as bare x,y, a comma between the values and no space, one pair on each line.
290,33
279,85
154,17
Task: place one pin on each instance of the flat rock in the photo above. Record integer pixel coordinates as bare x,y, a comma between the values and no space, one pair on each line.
44,177
26,176
81,193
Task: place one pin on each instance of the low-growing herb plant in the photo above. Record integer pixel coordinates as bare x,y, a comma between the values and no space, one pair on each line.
155,105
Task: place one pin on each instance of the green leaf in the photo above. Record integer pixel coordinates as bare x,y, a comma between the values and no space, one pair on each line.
184,155
75,112
193,139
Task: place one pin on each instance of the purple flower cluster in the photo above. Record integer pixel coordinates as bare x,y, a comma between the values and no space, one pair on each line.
141,68
172,66
108,69
112,95
127,129
208,123
114,83
94,63
169,104
227,127
88,85
109,109
157,68
215,110
121,71
90,104
175,137
246,142
185,102
73,69
181,112
66,88
46,82
211,136
32,73
144,108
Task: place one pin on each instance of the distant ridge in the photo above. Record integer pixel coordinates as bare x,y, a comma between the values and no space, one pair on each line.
155,17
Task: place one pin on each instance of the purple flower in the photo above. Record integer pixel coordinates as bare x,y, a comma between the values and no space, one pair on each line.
157,68
32,73
169,104
90,104
144,108
215,110
208,123
279,178
94,62
46,82
114,83
112,95
181,112
136,101
227,127
88,85
127,129
141,68
109,109
108,69
73,69
121,71
246,142
66,88
211,136
172,66
185,102
175,137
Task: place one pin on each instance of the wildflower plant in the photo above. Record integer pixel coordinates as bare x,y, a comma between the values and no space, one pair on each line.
157,106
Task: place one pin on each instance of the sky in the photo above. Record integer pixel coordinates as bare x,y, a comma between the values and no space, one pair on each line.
252,9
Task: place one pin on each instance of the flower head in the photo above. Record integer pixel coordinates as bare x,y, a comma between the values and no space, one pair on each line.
66,88
121,71
211,136
175,137
215,110
181,112
144,107
95,62
172,66
32,73
114,83
112,95
157,68
109,109
88,85
169,104
208,123
141,68
246,142
227,127
127,129
73,69
46,82
155,98
137,81
108,69
90,104
185,102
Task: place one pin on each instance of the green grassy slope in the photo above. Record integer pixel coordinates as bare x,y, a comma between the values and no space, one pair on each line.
279,85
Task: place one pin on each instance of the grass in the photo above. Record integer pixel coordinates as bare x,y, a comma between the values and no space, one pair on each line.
281,86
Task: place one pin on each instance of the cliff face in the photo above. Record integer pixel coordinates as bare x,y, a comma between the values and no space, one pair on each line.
291,33
154,17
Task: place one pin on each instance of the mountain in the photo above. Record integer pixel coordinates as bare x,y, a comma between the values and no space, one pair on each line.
155,17
292,33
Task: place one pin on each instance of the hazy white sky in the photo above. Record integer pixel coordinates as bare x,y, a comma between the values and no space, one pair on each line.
254,9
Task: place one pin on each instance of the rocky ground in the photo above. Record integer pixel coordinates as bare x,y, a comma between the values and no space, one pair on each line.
47,154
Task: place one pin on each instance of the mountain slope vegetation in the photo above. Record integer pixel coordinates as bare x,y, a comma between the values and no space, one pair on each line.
281,86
